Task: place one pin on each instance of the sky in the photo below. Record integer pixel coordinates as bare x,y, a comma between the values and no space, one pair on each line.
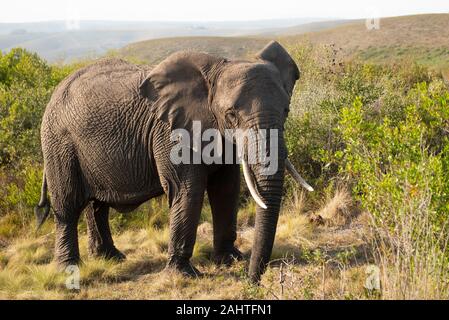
210,10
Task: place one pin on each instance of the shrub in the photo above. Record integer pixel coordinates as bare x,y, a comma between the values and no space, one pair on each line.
382,131
399,173
26,84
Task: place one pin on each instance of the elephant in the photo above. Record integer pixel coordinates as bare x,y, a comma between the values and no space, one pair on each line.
105,137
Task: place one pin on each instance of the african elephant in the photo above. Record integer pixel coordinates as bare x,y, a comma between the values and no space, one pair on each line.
106,143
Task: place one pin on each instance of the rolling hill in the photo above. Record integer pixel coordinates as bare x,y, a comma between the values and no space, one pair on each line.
422,38
58,41
153,51
305,28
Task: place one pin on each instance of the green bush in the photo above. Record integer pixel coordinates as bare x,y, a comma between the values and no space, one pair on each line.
26,84
381,131
396,163
399,173
326,88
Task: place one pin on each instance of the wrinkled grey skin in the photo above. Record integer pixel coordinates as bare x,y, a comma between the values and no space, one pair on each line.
106,143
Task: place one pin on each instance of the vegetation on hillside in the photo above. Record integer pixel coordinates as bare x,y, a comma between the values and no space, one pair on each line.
373,141
422,38
419,38
381,132
154,51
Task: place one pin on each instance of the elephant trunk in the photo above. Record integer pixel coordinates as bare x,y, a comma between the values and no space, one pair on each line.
265,229
269,189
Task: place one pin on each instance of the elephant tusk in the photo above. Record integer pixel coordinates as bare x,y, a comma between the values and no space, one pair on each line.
251,186
291,169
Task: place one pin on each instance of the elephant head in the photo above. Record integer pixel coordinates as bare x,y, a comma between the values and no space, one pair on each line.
224,94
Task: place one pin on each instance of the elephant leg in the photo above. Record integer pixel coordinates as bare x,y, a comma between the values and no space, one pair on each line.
185,211
66,241
223,190
68,200
99,233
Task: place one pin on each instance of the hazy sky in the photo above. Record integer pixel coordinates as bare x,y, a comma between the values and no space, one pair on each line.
209,10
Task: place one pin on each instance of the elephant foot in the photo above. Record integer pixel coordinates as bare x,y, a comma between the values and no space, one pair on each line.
111,253
63,264
183,266
227,258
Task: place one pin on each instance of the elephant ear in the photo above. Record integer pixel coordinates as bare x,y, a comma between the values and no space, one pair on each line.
180,90
277,55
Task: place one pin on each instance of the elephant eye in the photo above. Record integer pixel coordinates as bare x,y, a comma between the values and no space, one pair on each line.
286,111
231,117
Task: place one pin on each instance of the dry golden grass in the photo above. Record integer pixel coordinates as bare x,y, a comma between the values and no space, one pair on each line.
413,256
309,262
445,74
337,210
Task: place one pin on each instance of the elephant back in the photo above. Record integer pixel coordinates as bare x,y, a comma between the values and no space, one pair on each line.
114,81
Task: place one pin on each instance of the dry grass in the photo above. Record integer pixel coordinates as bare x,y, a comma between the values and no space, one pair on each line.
336,210
413,256
445,74
306,265
309,261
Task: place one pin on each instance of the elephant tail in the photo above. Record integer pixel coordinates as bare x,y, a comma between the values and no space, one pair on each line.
42,210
